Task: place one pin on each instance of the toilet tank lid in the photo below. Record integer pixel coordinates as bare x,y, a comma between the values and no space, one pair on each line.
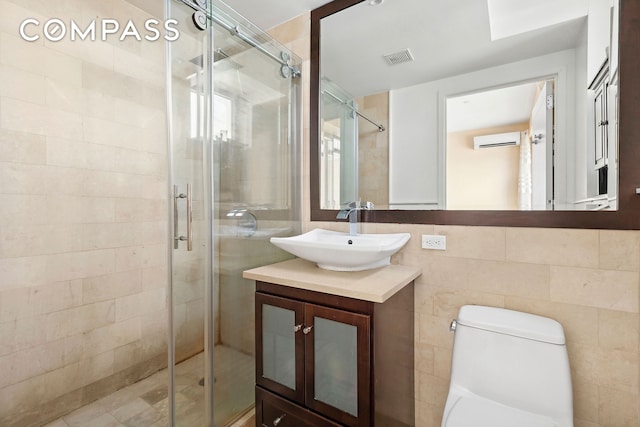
511,322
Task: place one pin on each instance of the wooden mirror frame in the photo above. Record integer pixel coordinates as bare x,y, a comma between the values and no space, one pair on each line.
627,217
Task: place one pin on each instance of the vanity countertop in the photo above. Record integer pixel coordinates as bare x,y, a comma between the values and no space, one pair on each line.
376,285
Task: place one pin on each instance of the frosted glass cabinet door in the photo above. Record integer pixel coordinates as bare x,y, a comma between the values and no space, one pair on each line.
338,364
279,335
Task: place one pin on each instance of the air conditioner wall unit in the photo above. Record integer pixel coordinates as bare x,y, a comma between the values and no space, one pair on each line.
496,140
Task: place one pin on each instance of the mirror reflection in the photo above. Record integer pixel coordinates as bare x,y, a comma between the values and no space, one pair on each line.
494,105
501,136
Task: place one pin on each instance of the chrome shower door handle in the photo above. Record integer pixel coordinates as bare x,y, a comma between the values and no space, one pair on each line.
189,219
176,237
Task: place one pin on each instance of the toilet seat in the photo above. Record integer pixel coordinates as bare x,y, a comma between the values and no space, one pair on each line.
471,411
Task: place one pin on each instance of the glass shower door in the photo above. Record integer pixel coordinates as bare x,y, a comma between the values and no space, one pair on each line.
256,158
192,322
235,167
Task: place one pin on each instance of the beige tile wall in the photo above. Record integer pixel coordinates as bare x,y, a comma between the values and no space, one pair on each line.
588,280
83,187
373,150
295,35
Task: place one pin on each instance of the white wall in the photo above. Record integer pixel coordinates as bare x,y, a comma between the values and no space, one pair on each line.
599,25
577,180
418,117
414,165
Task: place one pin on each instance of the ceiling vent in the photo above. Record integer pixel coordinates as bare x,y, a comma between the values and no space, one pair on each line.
398,57
497,140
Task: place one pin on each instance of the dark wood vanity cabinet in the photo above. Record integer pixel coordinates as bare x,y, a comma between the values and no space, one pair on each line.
272,410
326,360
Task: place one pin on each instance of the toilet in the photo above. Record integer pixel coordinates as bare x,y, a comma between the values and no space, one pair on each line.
508,369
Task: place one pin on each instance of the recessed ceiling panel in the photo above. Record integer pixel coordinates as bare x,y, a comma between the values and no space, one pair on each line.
512,17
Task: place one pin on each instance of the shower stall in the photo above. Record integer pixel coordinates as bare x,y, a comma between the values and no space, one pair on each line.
139,178
233,97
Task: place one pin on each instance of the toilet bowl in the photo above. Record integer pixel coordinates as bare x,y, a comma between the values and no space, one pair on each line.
508,369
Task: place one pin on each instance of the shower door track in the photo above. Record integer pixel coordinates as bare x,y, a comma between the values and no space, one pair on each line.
283,60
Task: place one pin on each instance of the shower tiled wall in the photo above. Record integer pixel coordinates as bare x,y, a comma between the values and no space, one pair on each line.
83,186
295,35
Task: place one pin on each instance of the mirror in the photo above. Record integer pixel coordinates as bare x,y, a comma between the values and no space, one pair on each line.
482,47
622,72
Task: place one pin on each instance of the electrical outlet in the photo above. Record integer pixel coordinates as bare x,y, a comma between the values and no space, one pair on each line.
434,242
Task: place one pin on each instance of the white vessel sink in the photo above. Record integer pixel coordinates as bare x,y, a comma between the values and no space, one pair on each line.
333,250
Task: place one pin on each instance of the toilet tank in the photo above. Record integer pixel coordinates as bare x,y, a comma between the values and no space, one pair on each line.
517,359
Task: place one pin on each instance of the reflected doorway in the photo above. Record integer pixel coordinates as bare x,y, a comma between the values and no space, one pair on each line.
499,148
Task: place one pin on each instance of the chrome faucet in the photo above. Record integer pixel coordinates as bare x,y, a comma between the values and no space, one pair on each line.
351,212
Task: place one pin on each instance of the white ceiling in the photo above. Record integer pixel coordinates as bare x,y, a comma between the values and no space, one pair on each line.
448,38
264,13
269,13
512,17
493,108
445,37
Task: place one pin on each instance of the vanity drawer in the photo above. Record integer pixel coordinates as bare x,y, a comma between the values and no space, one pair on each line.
274,411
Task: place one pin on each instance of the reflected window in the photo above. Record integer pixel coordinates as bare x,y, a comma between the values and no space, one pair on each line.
222,119
338,147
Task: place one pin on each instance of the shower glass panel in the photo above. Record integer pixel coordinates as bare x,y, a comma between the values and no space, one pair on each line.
189,106
338,147
235,140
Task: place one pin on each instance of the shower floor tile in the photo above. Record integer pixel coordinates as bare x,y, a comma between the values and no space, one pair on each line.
145,403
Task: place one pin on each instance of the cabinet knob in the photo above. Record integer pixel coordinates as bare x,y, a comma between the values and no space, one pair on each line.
296,328
278,420
307,330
